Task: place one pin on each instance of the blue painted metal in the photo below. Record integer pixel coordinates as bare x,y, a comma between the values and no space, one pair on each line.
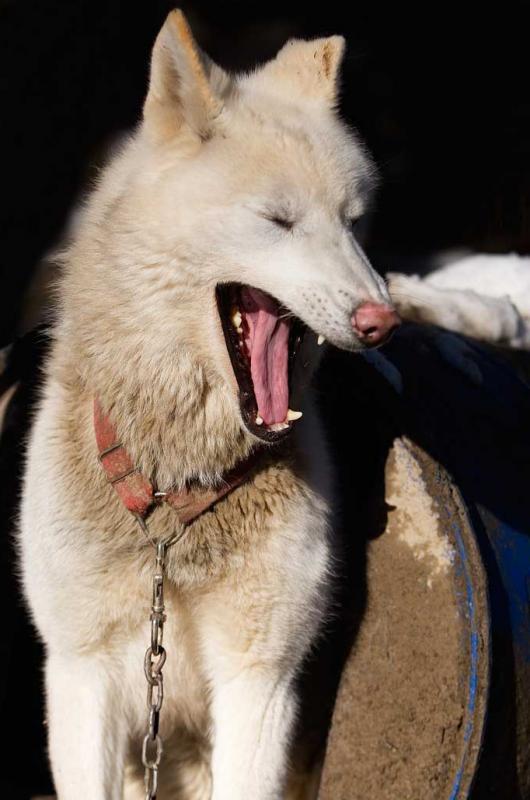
512,550
470,610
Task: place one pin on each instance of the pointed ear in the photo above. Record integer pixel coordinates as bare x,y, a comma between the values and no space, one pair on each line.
186,88
310,68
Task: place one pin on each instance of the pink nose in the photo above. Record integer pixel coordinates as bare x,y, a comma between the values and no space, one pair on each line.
374,323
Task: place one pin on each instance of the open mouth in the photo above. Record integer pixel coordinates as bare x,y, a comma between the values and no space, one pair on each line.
264,341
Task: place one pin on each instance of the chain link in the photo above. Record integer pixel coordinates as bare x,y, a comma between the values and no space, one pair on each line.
155,658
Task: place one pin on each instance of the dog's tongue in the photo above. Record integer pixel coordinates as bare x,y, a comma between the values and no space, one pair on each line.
267,343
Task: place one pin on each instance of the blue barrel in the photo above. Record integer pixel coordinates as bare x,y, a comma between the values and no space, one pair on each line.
471,411
463,412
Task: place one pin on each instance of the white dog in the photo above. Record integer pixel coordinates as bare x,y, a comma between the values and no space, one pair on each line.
222,229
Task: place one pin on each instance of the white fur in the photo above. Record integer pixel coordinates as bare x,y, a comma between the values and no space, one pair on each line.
190,203
485,296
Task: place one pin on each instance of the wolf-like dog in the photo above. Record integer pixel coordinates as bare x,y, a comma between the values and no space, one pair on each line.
218,241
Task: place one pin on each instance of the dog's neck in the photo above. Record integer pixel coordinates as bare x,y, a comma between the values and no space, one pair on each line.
139,495
154,375
177,427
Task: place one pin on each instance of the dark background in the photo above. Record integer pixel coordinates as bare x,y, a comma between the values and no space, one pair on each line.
439,92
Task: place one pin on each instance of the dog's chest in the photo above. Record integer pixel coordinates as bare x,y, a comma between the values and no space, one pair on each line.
233,531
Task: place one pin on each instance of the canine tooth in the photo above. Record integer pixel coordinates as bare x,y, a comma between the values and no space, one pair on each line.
278,426
320,339
292,415
259,421
237,319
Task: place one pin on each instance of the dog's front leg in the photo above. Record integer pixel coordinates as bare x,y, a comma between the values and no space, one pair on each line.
256,630
253,715
86,728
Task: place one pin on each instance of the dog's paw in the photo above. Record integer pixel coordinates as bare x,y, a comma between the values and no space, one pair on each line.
411,297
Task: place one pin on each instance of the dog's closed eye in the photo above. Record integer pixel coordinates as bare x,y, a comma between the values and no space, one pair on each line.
280,220
283,222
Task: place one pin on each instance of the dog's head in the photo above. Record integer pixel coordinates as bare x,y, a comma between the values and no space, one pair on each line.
239,200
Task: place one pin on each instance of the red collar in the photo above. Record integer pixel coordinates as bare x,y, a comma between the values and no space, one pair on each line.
138,494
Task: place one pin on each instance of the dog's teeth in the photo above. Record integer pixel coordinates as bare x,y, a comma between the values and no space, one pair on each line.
237,319
292,415
259,421
320,339
278,426
239,330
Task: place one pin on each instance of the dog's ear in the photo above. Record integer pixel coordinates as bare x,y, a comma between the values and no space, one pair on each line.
309,68
185,87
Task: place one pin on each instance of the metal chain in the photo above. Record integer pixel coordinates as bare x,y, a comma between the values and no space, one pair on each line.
155,658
